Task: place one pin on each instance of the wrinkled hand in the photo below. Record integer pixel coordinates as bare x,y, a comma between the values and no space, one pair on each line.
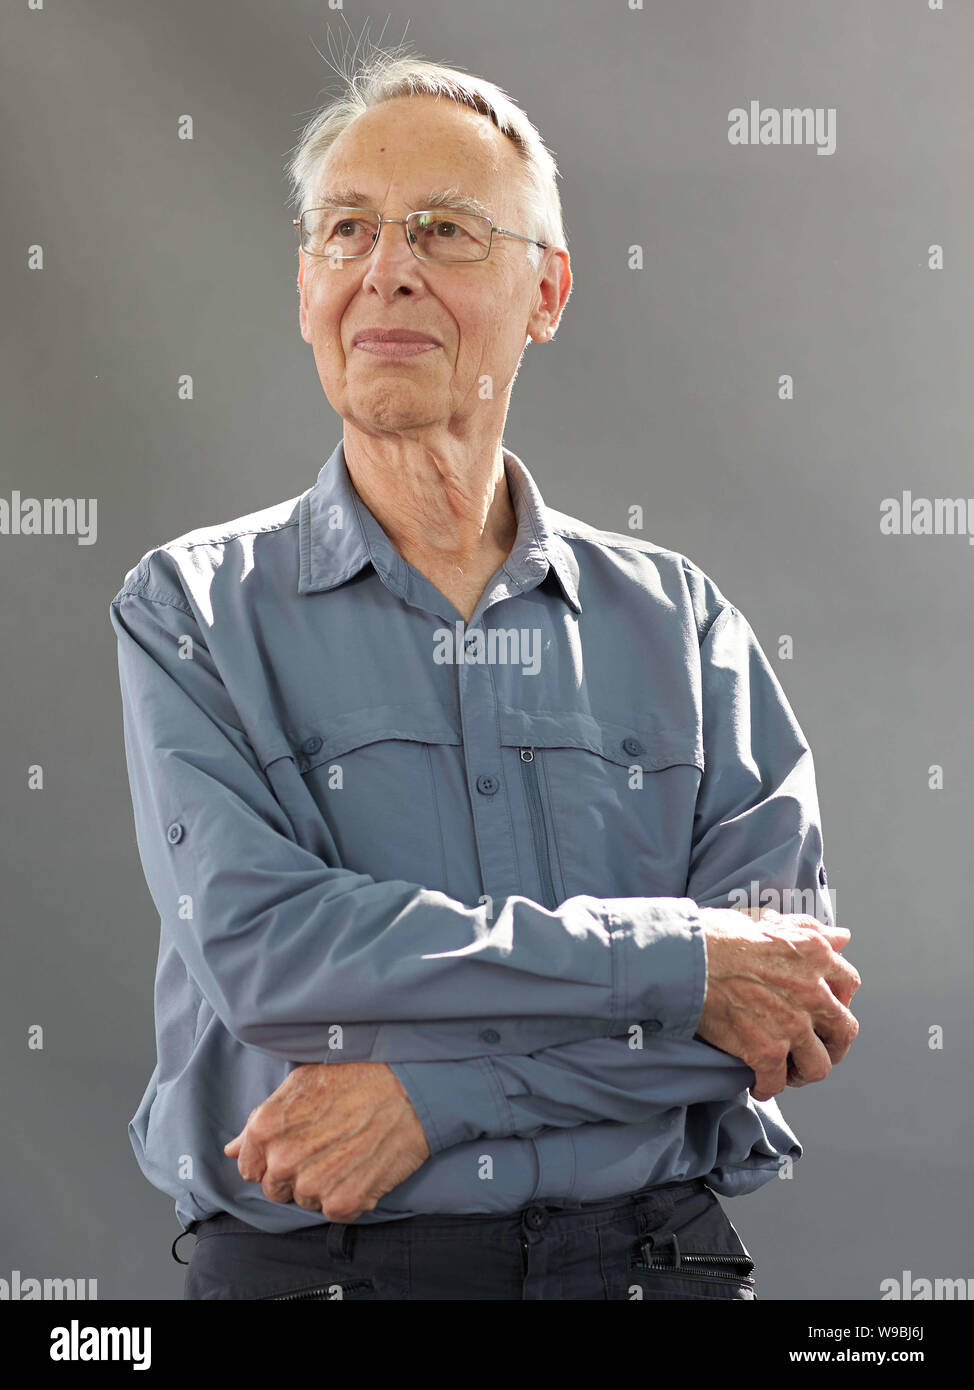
778,994
333,1137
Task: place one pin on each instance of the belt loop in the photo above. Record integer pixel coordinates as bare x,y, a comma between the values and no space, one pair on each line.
654,1204
340,1240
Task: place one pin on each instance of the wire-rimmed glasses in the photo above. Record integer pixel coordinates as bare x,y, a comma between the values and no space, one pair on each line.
347,233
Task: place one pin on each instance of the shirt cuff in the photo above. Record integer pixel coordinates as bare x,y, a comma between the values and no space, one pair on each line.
661,971
456,1101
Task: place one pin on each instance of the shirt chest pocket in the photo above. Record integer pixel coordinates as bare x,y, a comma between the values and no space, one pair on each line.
379,776
605,808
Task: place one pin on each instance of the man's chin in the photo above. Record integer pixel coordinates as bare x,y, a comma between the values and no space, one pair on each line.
385,411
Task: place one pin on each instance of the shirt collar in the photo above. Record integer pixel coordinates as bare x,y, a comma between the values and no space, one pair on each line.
338,534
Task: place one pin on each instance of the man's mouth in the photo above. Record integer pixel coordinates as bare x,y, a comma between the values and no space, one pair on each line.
394,348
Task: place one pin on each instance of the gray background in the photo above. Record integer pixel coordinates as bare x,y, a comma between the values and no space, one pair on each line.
165,256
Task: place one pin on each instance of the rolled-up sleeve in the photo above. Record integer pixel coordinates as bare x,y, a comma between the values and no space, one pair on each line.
283,946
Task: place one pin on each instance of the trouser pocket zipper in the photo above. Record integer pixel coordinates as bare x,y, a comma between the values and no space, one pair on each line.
716,1265
323,1292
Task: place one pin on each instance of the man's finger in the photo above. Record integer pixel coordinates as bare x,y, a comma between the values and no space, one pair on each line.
251,1158
843,980
236,1140
770,1082
279,1191
805,919
837,1027
334,1169
304,1142
825,929
808,1060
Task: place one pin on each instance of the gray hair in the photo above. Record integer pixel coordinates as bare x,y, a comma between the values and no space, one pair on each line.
388,75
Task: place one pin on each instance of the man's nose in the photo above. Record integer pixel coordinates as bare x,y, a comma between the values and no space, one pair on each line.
392,255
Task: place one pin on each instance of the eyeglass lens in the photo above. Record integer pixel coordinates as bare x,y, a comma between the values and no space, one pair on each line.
435,236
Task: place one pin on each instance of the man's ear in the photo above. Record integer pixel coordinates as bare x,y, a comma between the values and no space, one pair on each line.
554,290
302,315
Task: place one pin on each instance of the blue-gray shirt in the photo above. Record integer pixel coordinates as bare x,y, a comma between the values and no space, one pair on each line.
474,852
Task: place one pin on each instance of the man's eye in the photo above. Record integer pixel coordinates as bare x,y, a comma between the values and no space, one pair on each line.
450,228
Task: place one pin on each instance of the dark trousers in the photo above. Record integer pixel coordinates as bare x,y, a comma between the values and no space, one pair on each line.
674,1241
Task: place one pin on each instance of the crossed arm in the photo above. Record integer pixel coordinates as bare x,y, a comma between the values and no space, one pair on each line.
567,1011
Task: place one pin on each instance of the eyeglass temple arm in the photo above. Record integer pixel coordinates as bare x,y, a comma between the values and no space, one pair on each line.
502,231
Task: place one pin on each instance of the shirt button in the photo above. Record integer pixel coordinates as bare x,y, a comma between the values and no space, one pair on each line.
487,785
490,1035
175,833
311,745
653,1025
821,876
631,745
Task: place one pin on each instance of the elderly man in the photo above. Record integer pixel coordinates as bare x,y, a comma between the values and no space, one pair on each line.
449,804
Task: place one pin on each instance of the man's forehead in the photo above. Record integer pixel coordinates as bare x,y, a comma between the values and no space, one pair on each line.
453,198
460,150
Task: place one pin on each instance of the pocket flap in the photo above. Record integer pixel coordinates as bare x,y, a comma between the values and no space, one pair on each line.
322,740
635,743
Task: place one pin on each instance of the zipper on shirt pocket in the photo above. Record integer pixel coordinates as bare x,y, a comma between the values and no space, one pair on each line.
540,834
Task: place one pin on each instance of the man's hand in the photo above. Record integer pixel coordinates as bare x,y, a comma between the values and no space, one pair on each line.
334,1137
778,995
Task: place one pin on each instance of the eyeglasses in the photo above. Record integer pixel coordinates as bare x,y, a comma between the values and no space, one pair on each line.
346,234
